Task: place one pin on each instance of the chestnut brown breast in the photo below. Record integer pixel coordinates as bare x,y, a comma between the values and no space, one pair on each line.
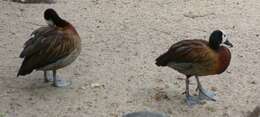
224,57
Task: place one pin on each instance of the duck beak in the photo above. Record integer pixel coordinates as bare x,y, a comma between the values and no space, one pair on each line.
228,43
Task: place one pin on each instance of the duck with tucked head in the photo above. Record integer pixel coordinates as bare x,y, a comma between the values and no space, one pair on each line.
198,58
51,48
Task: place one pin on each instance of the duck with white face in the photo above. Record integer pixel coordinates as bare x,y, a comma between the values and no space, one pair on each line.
51,48
198,57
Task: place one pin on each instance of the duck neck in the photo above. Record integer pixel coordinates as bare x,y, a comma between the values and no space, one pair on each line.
214,43
214,46
223,59
60,22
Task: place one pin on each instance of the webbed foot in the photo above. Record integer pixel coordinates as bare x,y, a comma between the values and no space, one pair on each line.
206,95
192,100
61,83
48,77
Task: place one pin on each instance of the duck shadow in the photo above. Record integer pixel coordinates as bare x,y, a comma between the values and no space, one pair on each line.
168,100
34,86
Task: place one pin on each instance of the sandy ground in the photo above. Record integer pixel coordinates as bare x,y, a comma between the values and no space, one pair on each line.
121,39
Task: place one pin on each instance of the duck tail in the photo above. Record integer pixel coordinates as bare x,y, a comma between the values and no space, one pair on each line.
24,69
162,60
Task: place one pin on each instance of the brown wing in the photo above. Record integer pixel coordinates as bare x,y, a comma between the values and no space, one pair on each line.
186,51
48,45
34,44
194,51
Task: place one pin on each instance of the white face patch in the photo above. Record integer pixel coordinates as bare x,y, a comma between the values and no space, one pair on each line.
225,41
224,37
49,22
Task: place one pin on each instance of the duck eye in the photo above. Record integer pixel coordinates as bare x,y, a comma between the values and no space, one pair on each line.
224,37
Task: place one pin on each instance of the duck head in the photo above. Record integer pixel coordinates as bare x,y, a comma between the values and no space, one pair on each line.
53,19
217,38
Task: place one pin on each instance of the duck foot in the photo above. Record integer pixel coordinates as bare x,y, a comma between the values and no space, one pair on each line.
192,100
206,95
58,82
61,83
48,77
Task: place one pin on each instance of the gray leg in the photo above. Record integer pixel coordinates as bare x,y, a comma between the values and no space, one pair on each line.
47,77
59,82
204,94
191,100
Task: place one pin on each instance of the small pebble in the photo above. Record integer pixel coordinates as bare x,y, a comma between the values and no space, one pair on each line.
84,88
211,109
253,82
97,85
160,96
214,88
